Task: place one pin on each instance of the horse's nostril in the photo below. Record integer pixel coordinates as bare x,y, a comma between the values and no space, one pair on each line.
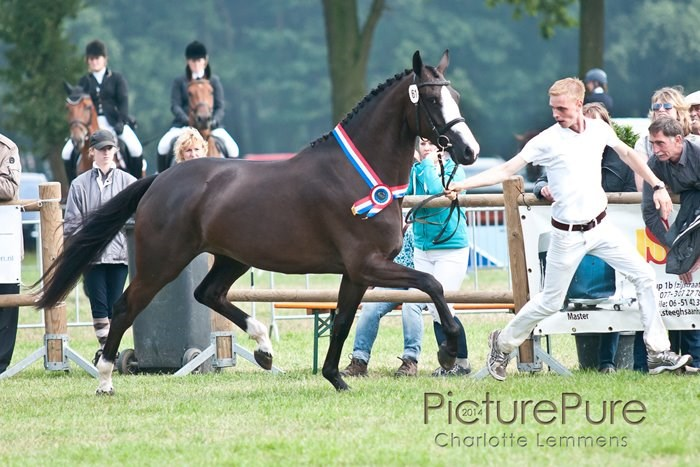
470,155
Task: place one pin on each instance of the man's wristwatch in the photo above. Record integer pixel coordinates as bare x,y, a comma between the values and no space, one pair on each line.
660,186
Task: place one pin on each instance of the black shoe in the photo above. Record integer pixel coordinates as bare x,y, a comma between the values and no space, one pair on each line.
456,370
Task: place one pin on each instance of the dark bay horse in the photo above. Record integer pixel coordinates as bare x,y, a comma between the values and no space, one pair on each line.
313,213
82,122
200,94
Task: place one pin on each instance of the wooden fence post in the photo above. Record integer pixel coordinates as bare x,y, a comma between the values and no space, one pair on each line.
512,188
52,240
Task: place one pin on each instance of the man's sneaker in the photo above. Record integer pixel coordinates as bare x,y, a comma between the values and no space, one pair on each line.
666,360
357,367
497,361
456,370
409,367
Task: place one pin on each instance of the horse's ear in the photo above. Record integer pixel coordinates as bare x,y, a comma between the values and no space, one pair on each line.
67,87
444,62
417,63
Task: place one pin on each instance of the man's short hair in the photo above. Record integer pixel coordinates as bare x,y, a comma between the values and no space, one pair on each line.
572,87
670,127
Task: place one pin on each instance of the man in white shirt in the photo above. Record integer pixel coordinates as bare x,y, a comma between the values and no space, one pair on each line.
571,152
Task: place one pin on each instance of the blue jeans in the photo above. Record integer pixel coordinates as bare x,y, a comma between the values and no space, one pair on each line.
462,351
686,342
368,325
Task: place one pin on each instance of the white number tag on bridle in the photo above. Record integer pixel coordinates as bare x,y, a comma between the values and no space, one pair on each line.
413,93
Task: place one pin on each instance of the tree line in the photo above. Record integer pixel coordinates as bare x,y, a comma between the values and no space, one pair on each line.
273,59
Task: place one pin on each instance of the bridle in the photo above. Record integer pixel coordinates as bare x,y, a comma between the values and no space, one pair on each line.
443,143
194,110
84,125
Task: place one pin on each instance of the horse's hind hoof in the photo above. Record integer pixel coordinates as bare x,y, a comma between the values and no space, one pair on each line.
264,359
446,360
103,392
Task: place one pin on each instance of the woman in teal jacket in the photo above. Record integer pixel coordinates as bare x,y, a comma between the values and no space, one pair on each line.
441,243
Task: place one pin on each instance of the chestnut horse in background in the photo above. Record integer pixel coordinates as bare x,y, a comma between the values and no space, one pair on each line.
201,104
82,121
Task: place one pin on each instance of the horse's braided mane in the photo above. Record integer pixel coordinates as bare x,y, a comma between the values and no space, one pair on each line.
374,92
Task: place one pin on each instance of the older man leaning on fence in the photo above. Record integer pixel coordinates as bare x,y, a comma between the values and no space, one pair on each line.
10,170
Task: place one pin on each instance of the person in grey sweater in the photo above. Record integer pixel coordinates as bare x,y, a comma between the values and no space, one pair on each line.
104,280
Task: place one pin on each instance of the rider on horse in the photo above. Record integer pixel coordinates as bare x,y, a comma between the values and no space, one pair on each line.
110,96
197,68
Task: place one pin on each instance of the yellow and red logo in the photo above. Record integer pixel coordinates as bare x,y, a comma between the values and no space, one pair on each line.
649,247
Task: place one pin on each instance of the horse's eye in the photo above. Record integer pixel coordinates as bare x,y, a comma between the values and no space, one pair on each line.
434,100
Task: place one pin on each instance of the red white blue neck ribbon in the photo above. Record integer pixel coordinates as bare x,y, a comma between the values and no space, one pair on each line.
380,195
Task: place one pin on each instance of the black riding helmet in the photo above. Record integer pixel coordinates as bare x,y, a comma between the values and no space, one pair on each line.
195,50
96,48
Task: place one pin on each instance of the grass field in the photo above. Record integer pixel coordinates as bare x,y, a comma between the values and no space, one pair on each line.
245,416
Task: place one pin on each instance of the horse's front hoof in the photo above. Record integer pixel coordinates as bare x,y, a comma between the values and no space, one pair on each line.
104,392
340,385
333,376
445,357
264,359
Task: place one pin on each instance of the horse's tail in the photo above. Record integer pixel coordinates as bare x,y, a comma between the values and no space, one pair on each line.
89,242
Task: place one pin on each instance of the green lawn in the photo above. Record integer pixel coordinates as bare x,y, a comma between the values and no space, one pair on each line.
245,416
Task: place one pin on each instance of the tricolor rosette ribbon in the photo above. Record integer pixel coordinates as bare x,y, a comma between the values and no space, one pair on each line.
380,195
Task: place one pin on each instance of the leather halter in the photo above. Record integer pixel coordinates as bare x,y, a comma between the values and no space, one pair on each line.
84,125
194,109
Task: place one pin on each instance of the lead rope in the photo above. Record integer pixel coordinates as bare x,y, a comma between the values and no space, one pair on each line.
411,218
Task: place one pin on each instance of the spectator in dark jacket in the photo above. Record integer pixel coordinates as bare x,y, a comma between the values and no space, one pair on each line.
596,81
676,161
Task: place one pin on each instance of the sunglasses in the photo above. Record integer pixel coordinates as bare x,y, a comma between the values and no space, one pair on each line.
665,105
